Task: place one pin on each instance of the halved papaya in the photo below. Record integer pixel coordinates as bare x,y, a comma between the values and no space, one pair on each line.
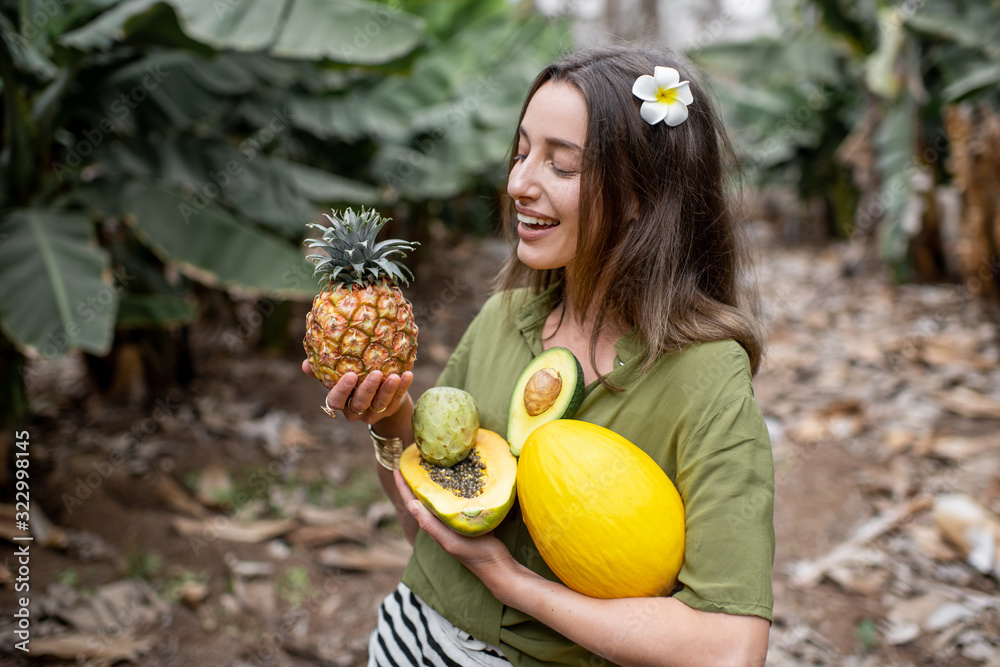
489,476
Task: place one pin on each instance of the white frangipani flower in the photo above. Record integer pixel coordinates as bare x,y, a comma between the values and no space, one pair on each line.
665,97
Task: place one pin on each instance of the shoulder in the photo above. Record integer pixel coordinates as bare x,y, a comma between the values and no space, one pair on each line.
697,386
502,310
719,370
506,303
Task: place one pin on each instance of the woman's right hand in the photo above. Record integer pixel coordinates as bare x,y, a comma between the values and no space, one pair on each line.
373,400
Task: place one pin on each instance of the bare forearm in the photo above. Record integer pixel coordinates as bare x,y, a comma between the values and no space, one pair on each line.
399,425
636,631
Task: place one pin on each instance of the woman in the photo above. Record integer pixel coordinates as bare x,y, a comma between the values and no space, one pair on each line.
627,254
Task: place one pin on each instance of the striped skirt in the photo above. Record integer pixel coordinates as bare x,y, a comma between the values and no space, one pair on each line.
411,633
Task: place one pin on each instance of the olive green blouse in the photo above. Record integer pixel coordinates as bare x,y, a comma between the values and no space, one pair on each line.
694,412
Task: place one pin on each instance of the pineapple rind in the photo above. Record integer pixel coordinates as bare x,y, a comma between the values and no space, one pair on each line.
360,322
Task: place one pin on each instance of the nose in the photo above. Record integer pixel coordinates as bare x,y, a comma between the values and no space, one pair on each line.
521,181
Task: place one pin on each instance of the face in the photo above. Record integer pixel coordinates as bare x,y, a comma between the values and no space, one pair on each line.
545,180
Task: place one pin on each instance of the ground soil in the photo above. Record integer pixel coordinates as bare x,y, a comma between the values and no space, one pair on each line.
253,414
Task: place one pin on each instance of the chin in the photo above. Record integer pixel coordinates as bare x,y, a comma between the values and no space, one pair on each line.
538,261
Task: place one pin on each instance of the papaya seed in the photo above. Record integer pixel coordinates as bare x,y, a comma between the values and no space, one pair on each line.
464,479
542,391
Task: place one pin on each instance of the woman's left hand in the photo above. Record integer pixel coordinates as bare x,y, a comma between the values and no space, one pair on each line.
485,555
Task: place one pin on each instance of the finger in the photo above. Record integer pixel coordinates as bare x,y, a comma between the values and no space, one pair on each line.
405,492
306,368
405,381
399,389
386,393
411,502
338,396
363,394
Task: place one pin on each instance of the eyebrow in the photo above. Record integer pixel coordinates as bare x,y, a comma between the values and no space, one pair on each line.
552,141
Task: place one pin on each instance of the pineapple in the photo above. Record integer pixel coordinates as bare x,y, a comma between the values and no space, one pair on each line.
360,321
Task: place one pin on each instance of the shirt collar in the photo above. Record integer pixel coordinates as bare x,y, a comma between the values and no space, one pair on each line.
530,318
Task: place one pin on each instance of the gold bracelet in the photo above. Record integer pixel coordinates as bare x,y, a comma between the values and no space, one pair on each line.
387,450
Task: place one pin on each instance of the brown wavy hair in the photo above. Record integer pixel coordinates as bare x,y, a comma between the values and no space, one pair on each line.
660,249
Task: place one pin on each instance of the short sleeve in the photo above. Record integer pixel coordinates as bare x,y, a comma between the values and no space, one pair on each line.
726,477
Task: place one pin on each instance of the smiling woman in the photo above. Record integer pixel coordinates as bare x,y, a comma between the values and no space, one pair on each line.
544,180
624,251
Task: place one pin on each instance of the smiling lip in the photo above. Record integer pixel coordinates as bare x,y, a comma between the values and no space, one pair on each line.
533,227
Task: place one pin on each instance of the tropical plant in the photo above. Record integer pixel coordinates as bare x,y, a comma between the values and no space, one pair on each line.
150,145
850,102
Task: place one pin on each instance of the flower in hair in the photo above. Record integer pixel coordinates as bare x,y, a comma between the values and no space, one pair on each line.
664,96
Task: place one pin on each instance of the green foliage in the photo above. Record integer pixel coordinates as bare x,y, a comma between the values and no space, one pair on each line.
190,142
793,100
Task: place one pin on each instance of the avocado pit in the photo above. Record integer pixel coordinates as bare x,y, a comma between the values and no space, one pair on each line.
542,391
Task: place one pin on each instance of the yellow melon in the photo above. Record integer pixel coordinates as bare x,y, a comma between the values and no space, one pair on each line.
605,517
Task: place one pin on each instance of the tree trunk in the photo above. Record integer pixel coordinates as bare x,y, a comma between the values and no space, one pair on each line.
974,138
13,403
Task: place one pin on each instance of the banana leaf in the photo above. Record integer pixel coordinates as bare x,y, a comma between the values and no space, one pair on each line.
346,31
213,247
56,289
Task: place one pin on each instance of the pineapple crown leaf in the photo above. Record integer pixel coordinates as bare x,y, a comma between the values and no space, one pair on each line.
350,248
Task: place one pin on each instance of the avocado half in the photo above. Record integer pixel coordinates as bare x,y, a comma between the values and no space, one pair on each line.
550,387
468,516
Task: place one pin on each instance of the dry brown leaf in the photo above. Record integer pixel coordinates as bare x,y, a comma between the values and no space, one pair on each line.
809,573
106,650
215,486
907,617
192,593
952,349
248,568
959,448
366,559
175,496
231,531
318,516
257,597
295,436
899,439
970,403
44,532
971,528
314,536
930,542
868,578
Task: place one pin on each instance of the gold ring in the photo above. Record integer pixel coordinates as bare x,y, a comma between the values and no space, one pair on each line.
382,410
348,406
327,409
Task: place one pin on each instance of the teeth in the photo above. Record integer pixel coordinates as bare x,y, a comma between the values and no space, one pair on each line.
528,220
